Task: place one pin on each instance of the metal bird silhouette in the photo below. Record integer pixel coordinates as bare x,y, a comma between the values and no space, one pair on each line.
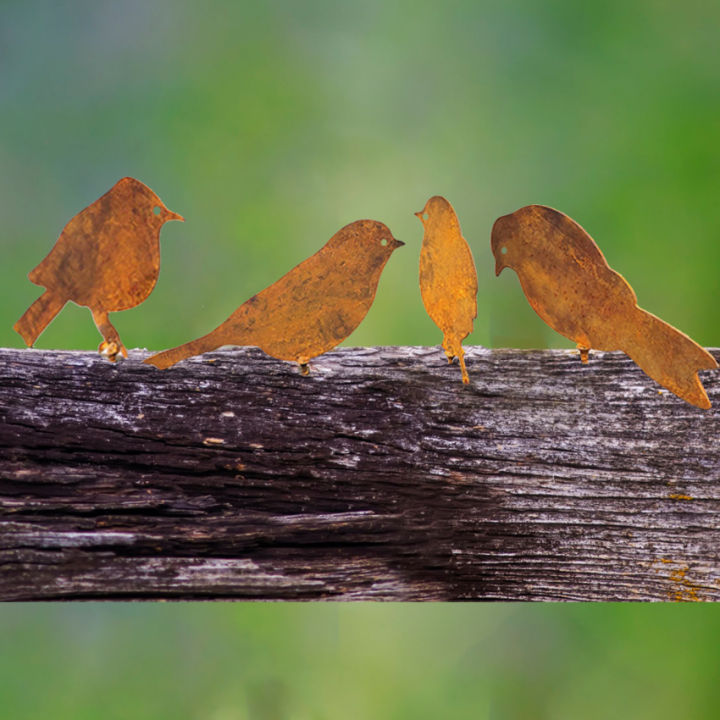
312,308
572,288
107,258
448,279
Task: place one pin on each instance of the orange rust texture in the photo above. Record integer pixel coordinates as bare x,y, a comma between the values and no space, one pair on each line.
683,589
572,288
312,308
107,258
448,279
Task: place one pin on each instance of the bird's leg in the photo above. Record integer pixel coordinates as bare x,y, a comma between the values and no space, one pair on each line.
454,349
584,353
304,363
463,369
111,345
451,354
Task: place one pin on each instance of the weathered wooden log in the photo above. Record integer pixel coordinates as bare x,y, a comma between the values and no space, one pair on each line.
379,476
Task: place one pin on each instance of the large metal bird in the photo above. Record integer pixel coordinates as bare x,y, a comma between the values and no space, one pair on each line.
312,308
572,288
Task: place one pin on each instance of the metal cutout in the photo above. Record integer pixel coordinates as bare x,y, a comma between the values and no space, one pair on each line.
571,287
448,279
312,308
107,258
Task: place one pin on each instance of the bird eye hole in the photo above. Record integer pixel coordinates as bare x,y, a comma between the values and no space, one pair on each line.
384,242
503,250
157,210
425,216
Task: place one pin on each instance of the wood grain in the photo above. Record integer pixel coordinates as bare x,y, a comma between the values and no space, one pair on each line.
379,476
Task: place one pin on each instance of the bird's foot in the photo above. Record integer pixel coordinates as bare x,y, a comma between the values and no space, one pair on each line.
304,364
110,349
584,353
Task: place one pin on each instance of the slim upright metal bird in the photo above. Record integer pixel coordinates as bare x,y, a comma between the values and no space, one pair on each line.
572,288
448,279
107,258
312,308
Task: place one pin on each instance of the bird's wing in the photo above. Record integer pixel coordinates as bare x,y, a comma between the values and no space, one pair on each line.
313,307
585,252
467,284
71,263
581,240
448,285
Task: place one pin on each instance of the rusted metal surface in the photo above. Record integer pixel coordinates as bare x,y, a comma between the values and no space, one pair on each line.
312,308
572,288
448,279
107,258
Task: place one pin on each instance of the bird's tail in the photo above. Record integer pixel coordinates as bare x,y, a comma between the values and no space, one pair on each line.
38,316
670,357
212,341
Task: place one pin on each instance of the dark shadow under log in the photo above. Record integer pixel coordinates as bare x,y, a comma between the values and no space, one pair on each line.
379,476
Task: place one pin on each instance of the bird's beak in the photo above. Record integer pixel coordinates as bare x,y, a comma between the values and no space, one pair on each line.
499,266
419,216
397,243
174,216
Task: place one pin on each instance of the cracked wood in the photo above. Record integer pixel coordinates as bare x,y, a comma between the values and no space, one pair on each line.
377,477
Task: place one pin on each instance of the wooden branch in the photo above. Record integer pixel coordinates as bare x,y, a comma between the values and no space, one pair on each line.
380,476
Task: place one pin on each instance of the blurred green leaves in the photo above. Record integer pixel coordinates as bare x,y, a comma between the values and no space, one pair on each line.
269,126
357,661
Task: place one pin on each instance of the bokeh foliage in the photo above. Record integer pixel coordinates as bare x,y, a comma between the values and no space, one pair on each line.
270,125
317,662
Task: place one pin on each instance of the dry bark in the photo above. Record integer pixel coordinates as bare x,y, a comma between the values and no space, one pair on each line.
379,476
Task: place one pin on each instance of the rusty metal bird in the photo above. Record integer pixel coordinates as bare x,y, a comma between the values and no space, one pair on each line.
107,258
572,288
312,308
448,279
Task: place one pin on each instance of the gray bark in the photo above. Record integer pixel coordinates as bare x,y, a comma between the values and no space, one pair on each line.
379,476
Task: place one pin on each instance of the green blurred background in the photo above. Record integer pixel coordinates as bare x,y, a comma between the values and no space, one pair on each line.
358,662
269,126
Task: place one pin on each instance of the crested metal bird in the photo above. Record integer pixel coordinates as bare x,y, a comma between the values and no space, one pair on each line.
107,258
